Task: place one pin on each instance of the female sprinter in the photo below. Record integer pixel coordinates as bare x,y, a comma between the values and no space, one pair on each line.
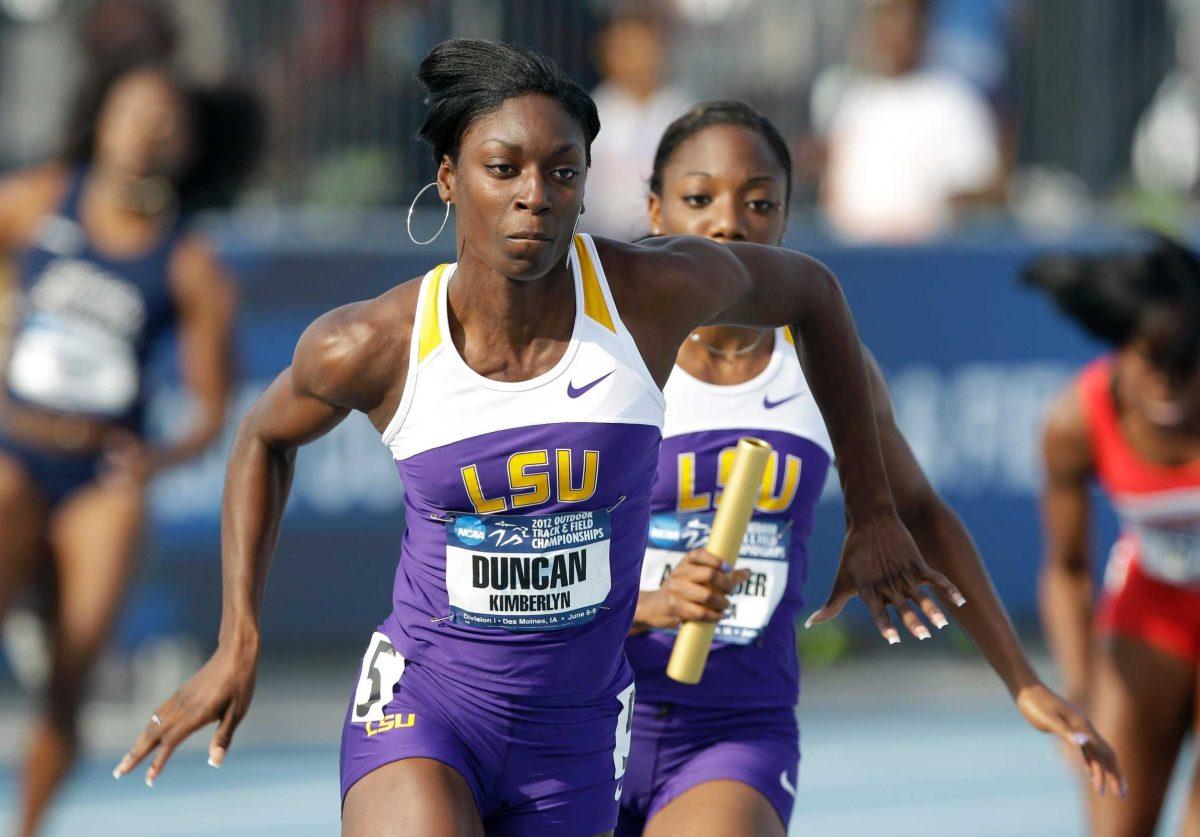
1131,422
722,757
107,265
519,392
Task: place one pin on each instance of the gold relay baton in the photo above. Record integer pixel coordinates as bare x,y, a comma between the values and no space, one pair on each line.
734,509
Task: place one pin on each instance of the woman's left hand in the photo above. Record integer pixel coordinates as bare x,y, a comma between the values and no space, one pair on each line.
881,564
1048,712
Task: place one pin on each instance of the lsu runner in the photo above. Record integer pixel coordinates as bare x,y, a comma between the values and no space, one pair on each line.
722,757
518,390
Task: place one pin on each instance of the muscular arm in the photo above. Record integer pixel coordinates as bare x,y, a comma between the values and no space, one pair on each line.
1065,591
353,358
947,546
684,282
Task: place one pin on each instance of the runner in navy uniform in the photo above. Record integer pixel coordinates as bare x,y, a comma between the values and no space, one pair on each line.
108,266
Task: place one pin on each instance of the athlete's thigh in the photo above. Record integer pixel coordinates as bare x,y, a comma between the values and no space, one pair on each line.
94,536
1141,702
1191,818
722,808
416,796
22,521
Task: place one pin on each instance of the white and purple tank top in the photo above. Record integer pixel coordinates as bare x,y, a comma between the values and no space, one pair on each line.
753,661
527,502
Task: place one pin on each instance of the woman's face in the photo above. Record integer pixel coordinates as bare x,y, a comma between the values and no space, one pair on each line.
143,128
517,186
723,183
1173,407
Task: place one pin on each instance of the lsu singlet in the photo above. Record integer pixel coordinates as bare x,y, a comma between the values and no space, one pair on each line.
1152,581
753,661
527,503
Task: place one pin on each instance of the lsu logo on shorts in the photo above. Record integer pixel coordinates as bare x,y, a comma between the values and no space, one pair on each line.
400,720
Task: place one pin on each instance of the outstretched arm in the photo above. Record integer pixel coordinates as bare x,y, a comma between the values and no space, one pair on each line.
341,363
947,545
700,282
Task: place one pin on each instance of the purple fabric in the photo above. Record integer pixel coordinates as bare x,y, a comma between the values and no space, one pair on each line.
675,748
574,661
535,766
764,673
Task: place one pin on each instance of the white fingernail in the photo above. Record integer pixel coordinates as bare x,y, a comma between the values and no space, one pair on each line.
213,763
939,621
893,639
809,621
117,774
923,633
1081,739
149,782
959,601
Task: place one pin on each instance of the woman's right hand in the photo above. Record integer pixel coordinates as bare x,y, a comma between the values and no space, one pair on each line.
695,591
220,691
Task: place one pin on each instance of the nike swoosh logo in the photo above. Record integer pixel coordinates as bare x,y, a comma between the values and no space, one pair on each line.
787,786
771,405
574,391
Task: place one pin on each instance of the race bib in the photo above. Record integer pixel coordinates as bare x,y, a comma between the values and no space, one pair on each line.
765,549
528,573
1170,551
73,367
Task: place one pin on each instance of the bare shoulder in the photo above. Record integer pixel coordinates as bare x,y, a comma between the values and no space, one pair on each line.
1066,442
356,356
662,265
25,197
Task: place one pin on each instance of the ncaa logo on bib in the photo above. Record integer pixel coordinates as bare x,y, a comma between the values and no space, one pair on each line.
470,530
665,530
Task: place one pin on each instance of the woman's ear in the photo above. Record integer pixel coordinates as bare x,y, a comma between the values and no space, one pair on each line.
446,180
654,211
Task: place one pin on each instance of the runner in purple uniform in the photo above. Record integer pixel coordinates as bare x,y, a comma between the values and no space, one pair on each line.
519,392
722,757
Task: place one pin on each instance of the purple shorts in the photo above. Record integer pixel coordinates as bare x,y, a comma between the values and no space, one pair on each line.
675,748
536,766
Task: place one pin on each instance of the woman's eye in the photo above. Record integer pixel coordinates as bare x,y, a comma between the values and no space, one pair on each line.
697,201
761,206
566,174
501,168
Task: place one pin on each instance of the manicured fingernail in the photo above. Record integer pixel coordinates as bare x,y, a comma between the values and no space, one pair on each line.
1124,789
923,632
939,621
149,782
216,757
117,773
214,763
726,567
1081,739
893,638
808,623
959,601
122,767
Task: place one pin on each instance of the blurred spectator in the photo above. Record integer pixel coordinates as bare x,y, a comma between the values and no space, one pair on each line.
635,108
905,143
1166,143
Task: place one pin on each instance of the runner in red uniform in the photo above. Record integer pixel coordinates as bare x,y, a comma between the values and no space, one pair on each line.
1131,422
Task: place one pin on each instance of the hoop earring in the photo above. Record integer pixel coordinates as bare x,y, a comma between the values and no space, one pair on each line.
408,220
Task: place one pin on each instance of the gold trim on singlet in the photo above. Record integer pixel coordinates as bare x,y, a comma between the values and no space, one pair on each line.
431,327
787,333
594,305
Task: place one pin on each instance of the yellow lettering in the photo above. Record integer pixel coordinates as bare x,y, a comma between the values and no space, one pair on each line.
408,720
567,493
768,500
470,478
536,486
688,499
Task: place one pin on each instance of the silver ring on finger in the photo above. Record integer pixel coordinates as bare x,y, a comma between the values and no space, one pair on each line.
154,719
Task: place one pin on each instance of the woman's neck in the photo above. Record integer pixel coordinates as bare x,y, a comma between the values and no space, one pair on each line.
726,355
510,329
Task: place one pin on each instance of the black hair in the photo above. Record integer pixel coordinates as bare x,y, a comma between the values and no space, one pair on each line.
719,112
465,79
226,124
1153,295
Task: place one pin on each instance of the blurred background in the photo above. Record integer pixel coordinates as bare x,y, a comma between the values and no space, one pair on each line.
939,145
